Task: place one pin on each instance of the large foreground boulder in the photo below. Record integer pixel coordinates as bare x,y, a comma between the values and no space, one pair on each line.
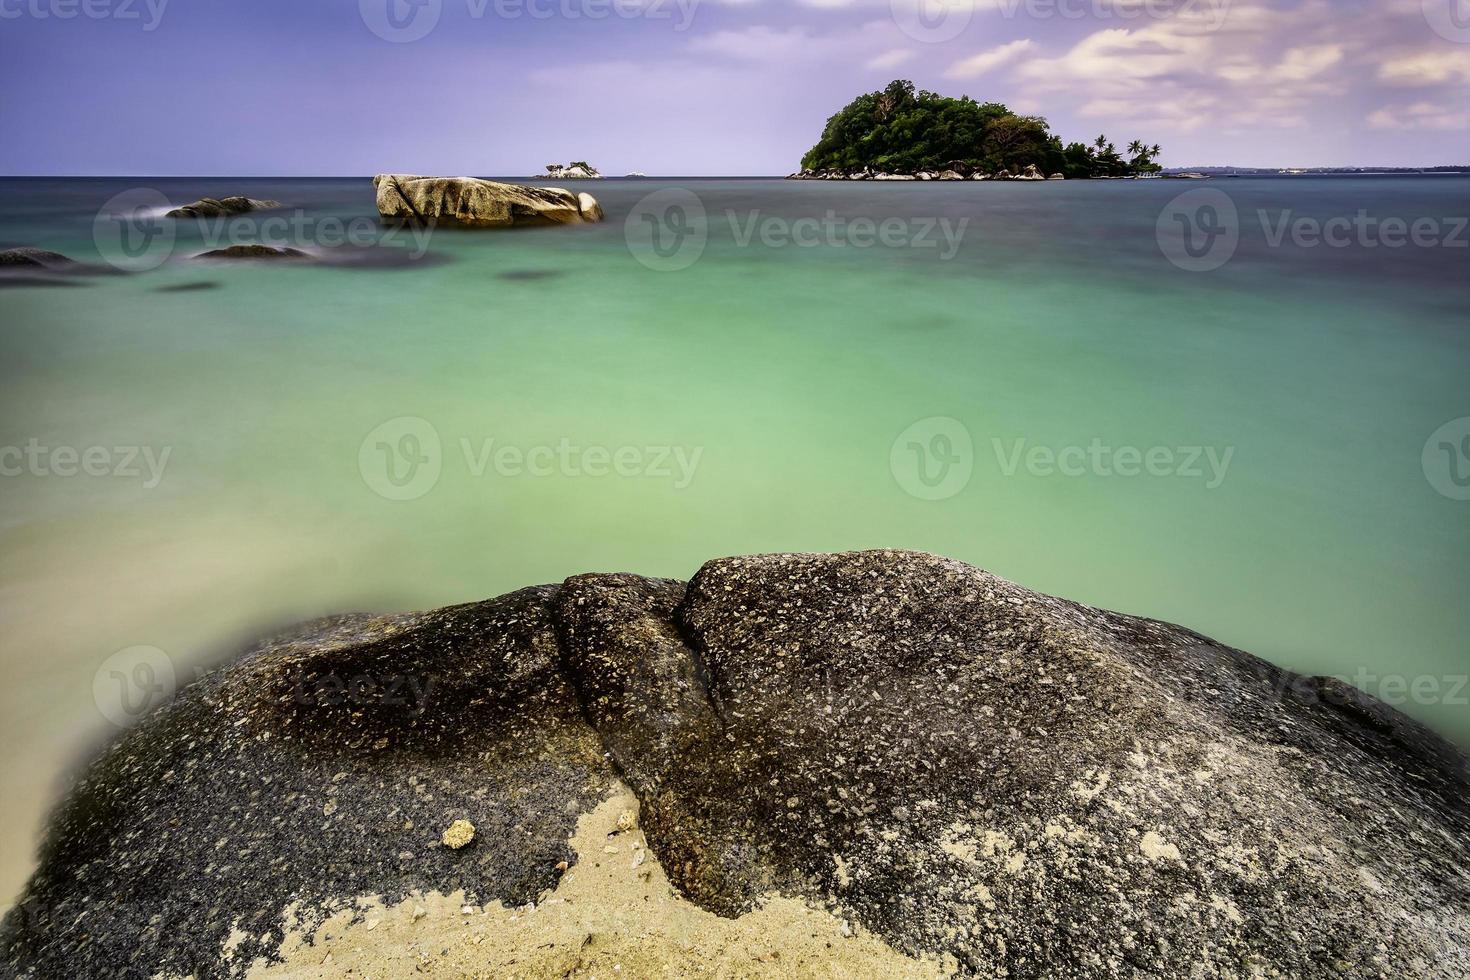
988,780
476,203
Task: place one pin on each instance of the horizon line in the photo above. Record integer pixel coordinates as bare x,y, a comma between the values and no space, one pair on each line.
1442,167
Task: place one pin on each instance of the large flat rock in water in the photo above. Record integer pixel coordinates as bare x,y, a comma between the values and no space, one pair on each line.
969,776
474,203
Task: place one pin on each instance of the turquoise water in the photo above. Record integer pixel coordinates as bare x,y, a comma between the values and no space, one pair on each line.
791,380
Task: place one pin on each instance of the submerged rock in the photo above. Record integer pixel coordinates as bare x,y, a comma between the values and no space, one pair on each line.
29,266
529,275
981,775
224,207
477,203
34,258
254,252
187,287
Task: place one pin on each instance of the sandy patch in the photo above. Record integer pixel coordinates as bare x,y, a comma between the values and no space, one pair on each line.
613,915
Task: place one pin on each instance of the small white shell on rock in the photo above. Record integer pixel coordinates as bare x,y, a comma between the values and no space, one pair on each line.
460,833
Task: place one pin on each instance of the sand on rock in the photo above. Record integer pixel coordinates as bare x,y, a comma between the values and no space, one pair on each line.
612,915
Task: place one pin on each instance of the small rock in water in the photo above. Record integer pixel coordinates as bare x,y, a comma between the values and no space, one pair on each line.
254,252
460,833
527,275
223,207
36,258
187,287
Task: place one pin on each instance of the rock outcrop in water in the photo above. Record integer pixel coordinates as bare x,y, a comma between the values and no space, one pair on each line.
1000,782
224,207
476,203
34,258
576,170
253,252
29,266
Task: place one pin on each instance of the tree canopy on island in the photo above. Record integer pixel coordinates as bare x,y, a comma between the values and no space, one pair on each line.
903,130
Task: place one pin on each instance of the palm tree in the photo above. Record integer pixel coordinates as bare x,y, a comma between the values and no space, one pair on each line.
1156,150
1136,148
1100,142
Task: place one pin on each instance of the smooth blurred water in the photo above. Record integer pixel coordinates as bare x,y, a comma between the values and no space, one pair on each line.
784,373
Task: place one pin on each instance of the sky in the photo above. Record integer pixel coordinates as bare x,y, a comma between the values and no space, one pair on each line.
707,87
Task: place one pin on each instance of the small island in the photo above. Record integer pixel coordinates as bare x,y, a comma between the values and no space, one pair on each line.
902,133
576,170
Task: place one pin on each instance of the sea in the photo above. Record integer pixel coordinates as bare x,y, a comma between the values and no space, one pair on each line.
1237,404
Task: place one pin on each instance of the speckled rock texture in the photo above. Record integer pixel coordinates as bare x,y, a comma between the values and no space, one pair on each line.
1018,785
474,203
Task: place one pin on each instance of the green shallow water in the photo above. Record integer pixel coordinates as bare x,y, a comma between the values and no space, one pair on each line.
784,374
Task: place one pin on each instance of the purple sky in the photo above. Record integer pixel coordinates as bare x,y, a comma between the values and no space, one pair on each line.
707,86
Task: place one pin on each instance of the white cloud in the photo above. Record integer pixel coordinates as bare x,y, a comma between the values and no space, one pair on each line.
1420,115
1435,66
874,43
890,59
990,60
1300,64
1262,66
757,43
